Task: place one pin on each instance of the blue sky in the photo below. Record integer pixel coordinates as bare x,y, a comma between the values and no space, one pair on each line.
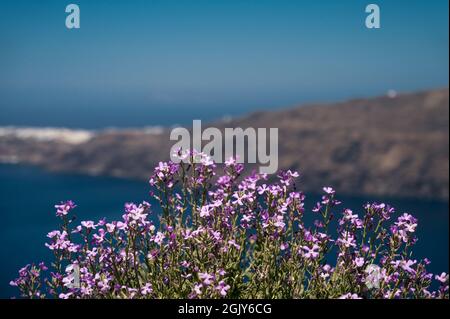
166,56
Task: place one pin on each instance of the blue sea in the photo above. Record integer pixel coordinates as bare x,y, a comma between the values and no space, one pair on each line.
28,194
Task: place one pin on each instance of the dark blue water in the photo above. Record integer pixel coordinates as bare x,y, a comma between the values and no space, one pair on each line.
27,196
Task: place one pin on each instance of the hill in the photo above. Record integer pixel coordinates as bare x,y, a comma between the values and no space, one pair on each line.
389,146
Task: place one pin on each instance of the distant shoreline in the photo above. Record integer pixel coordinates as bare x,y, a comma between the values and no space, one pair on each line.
393,145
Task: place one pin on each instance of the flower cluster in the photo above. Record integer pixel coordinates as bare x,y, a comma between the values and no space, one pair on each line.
220,235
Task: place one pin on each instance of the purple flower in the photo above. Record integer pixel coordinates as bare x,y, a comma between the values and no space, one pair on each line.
206,278
207,161
347,239
89,224
64,208
443,278
383,210
24,270
198,289
230,162
136,214
110,227
279,222
310,253
60,242
99,237
352,218
42,266
262,189
358,261
317,208
405,227
205,211
239,198
159,238
147,289
406,265
121,225
65,296
233,243
287,177
223,288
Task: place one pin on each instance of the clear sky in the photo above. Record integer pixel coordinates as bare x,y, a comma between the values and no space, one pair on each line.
169,57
